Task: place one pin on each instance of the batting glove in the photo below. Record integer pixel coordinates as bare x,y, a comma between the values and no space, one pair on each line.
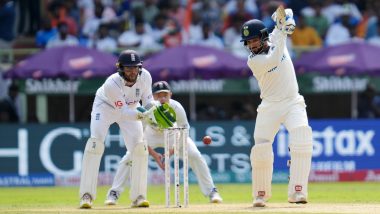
285,24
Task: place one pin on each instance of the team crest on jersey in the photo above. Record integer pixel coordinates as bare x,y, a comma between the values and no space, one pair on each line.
137,92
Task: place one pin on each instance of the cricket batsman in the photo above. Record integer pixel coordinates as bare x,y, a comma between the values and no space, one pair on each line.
117,101
155,139
281,103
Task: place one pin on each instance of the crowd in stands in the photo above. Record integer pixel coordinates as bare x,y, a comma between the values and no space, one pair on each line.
151,25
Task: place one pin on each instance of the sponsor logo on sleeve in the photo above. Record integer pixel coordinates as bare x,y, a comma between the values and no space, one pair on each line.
118,104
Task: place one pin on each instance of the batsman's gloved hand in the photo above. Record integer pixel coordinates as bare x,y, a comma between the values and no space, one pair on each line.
285,24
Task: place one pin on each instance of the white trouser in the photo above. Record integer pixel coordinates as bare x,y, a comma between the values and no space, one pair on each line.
289,112
155,139
102,116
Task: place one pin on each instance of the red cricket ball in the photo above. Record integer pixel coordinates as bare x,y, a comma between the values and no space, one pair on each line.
207,140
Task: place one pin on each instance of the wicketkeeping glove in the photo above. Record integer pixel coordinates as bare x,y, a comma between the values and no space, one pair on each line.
147,116
162,116
165,116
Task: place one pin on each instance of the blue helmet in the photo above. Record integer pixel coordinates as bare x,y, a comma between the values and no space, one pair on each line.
253,28
128,58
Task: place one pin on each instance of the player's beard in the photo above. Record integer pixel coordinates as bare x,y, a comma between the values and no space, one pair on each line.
257,50
131,79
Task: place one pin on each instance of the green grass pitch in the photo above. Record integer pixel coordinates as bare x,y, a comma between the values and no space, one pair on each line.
346,197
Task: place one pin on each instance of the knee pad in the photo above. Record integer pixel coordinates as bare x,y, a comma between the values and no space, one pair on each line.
94,146
262,155
301,141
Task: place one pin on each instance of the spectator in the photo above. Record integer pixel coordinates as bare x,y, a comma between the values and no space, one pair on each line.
233,32
209,38
372,26
248,6
102,14
10,106
211,12
174,36
104,42
240,13
62,38
375,40
159,27
138,38
195,29
149,10
28,16
369,103
331,10
7,19
58,14
305,35
318,21
91,25
46,33
176,11
339,32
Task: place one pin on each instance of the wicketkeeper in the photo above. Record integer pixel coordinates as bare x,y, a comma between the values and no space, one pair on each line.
281,103
155,137
117,101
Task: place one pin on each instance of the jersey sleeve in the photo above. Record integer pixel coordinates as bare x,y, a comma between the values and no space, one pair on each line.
260,64
181,116
147,96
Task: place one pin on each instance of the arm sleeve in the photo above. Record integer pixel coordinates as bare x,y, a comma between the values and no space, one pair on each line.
113,92
147,96
181,117
263,63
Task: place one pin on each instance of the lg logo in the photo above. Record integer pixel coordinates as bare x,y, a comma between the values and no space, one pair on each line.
118,104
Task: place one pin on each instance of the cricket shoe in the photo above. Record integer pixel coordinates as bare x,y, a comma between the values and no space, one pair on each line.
215,197
259,202
112,198
140,202
298,198
85,201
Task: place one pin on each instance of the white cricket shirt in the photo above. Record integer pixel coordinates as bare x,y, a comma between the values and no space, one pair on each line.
125,98
274,71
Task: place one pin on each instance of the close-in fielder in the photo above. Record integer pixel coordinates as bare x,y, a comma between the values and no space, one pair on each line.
116,102
155,139
281,104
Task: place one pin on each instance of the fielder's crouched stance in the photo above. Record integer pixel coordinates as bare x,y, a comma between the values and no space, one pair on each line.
281,104
155,138
116,101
